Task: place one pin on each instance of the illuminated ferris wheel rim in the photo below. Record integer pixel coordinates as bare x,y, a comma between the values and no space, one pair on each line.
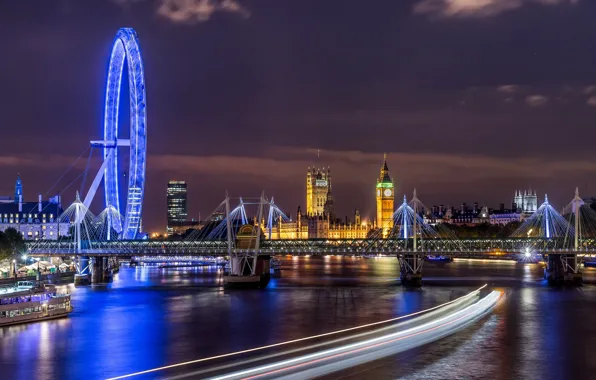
125,47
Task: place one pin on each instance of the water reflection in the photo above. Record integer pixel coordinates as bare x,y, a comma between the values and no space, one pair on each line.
151,316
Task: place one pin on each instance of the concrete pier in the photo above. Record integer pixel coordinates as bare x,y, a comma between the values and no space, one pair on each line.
563,269
260,278
101,272
83,277
410,269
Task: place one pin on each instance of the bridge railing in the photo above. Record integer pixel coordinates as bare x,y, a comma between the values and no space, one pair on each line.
316,246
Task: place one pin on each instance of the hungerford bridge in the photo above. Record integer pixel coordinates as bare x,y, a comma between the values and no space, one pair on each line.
96,241
246,243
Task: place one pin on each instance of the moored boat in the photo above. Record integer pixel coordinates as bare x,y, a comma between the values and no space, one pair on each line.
438,259
27,301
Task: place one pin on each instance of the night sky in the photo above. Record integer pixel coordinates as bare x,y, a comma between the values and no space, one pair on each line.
470,99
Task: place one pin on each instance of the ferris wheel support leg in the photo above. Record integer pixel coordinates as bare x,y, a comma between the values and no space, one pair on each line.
97,180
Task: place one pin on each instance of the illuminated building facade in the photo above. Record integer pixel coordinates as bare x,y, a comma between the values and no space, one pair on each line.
320,227
526,202
319,198
34,220
177,205
385,198
320,221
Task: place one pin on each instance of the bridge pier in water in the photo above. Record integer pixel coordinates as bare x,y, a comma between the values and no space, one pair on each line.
82,277
563,269
248,268
95,270
410,269
101,272
242,275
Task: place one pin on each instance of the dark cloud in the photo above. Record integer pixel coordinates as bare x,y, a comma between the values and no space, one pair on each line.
242,104
477,8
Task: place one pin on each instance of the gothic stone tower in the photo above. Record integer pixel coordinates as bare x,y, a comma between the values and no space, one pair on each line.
385,200
318,183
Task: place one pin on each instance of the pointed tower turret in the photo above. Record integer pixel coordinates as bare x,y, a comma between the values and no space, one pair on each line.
18,189
385,199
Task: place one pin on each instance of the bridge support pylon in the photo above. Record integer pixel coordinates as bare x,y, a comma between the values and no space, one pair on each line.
101,273
563,269
410,269
82,277
248,268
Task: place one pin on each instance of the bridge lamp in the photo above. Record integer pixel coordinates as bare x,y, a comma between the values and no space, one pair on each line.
527,253
24,257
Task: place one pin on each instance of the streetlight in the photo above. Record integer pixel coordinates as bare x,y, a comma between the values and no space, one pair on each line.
14,268
38,272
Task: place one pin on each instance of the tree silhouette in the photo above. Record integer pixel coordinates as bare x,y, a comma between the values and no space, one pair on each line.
11,243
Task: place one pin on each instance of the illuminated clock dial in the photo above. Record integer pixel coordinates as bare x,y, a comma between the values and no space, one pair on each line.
378,193
387,192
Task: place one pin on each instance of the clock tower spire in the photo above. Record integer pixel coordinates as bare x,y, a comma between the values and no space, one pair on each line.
385,196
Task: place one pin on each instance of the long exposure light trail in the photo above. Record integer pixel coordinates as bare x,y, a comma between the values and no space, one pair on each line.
469,295
335,342
434,330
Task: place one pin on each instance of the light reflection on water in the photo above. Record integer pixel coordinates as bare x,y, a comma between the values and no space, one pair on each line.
150,317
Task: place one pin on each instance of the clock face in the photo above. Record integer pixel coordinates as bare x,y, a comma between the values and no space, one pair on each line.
378,193
387,192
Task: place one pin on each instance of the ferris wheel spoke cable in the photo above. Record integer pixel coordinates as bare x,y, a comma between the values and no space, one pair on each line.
86,171
67,170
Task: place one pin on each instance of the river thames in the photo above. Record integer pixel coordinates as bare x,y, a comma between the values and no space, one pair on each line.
151,317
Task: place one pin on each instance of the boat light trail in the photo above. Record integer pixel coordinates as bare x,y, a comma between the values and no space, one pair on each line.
464,317
471,294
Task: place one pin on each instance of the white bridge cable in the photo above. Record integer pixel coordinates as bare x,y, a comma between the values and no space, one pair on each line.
546,222
403,228
68,244
67,170
214,226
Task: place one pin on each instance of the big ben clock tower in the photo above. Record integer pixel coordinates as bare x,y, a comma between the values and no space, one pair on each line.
385,200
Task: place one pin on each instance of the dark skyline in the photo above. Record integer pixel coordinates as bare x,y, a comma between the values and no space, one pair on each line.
471,102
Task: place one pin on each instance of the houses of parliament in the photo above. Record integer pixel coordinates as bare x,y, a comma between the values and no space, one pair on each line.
320,221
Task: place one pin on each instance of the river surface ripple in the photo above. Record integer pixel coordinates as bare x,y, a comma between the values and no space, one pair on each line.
150,317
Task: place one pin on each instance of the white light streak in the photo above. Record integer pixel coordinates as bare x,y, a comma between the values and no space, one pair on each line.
296,340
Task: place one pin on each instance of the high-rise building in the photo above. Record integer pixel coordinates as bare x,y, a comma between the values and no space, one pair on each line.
319,200
177,209
385,198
